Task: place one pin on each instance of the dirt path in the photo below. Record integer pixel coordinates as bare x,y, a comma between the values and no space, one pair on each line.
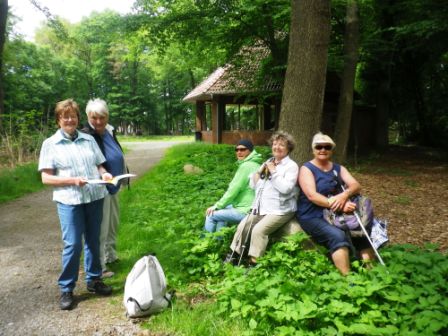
30,252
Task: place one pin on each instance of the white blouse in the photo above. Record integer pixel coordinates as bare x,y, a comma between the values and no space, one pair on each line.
277,194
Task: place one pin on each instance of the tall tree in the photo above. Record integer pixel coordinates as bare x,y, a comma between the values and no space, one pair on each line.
3,19
304,87
345,108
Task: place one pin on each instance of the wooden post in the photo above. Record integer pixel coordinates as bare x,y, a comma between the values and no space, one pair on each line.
277,108
215,122
266,117
200,115
221,115
200,120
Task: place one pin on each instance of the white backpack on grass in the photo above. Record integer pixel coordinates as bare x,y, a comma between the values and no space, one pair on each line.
145,288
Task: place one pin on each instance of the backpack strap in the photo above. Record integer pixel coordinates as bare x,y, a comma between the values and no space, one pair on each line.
169,297
338,178
138,304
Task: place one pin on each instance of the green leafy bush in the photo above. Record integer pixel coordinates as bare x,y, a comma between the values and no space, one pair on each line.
295,290
165,211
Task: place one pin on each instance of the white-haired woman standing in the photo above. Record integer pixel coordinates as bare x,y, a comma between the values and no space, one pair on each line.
317,181
104,134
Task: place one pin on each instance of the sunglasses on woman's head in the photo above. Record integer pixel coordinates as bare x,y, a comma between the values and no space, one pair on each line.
326,147
240,149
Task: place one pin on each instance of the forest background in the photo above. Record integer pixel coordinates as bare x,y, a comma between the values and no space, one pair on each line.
144,63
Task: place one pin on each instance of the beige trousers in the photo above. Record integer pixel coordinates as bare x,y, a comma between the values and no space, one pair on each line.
109,227
262,227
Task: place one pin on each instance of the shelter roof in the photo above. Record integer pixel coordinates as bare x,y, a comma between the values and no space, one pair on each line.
240,77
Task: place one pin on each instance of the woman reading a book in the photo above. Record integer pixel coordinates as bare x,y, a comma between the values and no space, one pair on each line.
104,134
68,159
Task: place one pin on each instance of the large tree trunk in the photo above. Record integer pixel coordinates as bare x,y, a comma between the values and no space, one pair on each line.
303,92
384,69
3,19
345,107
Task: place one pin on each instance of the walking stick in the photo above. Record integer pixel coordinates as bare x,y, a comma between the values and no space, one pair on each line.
361,224
246,238
264,176
239,238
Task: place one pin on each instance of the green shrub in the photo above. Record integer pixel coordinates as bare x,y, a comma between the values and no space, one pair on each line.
296,291
293,291
165,211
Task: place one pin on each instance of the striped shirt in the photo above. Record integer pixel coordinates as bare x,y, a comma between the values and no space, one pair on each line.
67,158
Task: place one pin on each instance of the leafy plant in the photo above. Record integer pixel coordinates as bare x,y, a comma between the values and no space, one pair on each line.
294,290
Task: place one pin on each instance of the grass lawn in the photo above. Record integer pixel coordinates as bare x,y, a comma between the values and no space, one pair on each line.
19,181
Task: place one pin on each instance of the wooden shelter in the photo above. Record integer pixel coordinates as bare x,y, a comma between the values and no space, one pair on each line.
234,103
222,96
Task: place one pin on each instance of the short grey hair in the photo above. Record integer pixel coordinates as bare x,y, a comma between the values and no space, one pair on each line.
97,106
285,136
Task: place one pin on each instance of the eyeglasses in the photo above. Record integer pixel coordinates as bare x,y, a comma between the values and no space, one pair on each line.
326,147
69,117
241,149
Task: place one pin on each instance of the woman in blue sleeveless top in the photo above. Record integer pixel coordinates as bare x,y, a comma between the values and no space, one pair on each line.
318,181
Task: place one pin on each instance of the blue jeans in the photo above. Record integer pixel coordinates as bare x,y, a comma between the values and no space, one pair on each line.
219,218
324,233
78,221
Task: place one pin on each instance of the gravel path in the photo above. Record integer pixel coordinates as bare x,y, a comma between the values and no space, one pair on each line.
30,252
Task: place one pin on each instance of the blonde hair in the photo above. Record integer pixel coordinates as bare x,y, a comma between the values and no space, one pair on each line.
320,138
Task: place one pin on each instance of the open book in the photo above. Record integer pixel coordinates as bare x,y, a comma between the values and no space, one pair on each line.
114,181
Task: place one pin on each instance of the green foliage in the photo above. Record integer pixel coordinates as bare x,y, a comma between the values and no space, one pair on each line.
169,205
144,64
403,61
294,290
21,180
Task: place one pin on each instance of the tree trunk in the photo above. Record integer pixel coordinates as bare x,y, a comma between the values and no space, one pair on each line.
304,87
3,19
385,67
345,107
382,114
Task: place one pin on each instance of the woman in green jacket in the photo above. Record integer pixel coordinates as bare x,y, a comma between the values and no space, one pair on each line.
237,200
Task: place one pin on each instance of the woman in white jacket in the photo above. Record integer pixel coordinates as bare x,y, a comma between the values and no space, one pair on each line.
275,203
